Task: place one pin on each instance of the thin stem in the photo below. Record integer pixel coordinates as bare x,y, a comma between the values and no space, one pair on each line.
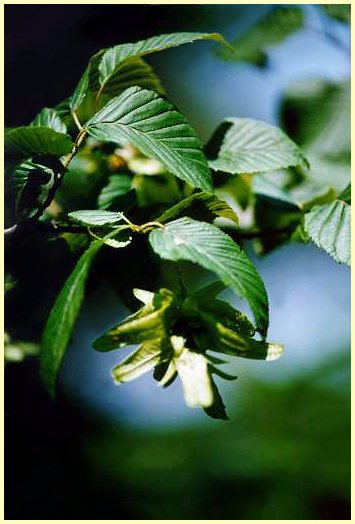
97,98
76,120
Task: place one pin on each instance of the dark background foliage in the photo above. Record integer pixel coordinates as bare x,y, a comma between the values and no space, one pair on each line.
286,452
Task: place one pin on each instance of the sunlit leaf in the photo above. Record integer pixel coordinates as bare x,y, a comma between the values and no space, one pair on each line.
329,228
206,245
151,123
116,60
95,217
252,146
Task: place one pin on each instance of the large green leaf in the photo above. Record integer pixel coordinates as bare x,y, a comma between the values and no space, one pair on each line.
200,206
252,146
117,58
149,122
329,227
26,141
49,118
206,245
272,29
62,318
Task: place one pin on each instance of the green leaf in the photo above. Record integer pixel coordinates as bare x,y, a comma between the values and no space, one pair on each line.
206,245
251,146
145,358
95,217
115,59
26,141
118,186
35,182
49,118
317,115
341,12
62,318
134,73
142,118
147,323
200,206
329,228
272,29
346,194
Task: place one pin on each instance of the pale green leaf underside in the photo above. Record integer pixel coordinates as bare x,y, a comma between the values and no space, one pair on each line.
49,118
32,140
142,118
95,218
329,228
206,245
251,146
62,318
116,57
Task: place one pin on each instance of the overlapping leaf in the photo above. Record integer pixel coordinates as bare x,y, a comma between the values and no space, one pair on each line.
200,206
117,59
26,141
252,146
49,118
206,245
149,122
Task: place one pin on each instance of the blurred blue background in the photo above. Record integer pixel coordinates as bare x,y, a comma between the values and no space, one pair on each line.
286,452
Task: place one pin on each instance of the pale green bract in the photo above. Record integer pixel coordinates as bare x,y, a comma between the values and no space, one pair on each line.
149,122
208,246
252,146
